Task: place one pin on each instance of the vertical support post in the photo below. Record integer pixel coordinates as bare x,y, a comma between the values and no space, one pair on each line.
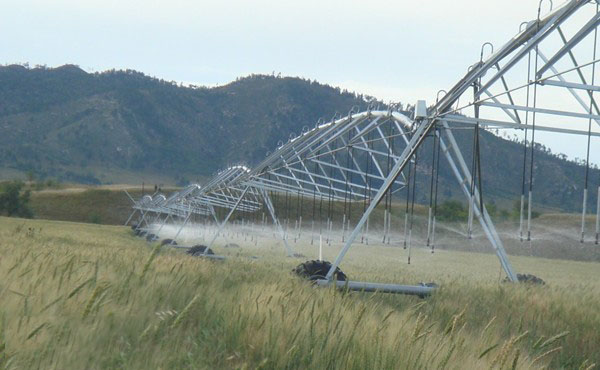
384,225
529,216
429,224
521,217
433,234
362,237
470,219
389,226
213,213
347,225
598,218
343,227
408,188
405,229
367,232
328,230
320,248
412,205
295,231
583,213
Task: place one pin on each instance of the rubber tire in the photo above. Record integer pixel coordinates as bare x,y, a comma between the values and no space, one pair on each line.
151,237
142,234
528,279
198,250
317,270
168,241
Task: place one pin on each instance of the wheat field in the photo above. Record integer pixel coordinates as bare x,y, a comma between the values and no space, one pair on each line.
82,296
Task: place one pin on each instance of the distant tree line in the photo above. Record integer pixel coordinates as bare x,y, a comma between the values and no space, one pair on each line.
454,211
14,201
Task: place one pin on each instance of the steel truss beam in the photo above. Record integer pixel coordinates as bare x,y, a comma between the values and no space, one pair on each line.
362,156
510,55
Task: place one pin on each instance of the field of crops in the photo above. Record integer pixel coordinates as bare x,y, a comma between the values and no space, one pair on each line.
91,296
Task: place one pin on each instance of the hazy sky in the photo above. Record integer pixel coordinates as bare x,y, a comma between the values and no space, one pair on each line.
398,50
395,50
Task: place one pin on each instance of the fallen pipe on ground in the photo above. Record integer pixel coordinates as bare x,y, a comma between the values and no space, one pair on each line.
420,290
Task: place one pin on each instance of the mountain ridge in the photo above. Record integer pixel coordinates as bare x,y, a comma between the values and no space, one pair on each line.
119,126
62,109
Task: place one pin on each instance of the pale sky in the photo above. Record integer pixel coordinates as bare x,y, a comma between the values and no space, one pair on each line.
395,50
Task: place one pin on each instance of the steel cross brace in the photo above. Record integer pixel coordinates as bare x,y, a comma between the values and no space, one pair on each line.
271,209
143,219
131,216
134,210
214,214
164,222
422,130
221,225
484,218
181,228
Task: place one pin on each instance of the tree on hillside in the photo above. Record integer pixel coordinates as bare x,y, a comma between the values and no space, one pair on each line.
14,202
451,210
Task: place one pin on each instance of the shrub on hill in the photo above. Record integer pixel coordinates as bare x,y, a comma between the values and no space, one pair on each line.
13,201
452,210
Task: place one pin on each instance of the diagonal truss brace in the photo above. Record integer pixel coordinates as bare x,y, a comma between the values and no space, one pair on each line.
424,127
271,209
222,224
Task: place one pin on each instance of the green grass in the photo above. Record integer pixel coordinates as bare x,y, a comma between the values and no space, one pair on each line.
93,205
100,205
111,206
94,297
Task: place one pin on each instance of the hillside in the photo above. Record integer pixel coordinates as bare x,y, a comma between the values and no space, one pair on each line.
125,127
77,126
558,183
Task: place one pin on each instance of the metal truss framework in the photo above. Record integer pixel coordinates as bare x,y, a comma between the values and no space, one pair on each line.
542,80
490,80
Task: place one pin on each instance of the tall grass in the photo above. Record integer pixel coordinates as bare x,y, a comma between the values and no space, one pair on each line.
88,296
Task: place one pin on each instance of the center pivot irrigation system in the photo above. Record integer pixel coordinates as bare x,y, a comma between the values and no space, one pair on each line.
541,81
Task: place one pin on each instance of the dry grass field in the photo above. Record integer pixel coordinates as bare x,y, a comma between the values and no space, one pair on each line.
78,296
